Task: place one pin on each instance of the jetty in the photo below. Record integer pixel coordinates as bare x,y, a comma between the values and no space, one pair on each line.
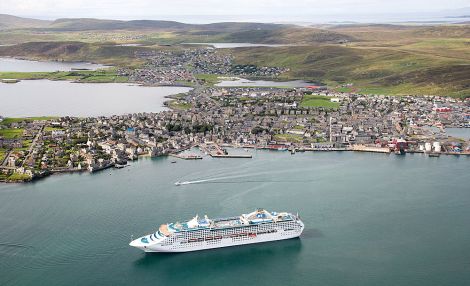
186,156
243,156
215,151
363,148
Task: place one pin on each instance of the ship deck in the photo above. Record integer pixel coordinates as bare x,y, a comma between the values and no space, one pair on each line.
227,222
221,223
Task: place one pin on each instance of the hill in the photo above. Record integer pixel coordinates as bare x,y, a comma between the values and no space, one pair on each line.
369,69
385,59
165,32
74,51
13,22
84,24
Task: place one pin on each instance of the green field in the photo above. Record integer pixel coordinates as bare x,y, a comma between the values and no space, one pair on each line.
9,120
49,128
3,153
209,79
180,105
11,133
294,138
18,177
318,101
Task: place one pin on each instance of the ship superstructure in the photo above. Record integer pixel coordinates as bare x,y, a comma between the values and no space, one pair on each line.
204,233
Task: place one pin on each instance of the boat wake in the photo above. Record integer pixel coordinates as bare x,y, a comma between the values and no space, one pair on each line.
248,178
225,181
194,182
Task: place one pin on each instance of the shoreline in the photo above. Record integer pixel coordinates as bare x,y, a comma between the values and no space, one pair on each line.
236,156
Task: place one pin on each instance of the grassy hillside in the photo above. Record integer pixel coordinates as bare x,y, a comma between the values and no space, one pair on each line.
75,51
371,70
13,22
386,59
98,76
83,24
294,35
166,32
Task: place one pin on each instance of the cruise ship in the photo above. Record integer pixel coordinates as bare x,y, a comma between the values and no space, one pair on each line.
204,233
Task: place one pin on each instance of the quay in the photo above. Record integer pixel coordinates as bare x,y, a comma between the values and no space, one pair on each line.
186,156
215,151
431,154
94,169
245,156
363,148
455,153
323,149
67,170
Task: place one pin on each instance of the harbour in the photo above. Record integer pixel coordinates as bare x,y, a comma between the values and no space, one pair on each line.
149,151
352,212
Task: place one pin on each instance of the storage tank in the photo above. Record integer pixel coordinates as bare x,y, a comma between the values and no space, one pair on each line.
436,146
427,147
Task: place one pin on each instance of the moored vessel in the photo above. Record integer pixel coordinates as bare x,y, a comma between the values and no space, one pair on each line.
204,233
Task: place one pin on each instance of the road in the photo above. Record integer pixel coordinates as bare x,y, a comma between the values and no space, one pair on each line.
33,144
5,160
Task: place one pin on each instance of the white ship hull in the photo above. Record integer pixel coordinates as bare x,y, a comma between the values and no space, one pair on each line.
257,227
225,242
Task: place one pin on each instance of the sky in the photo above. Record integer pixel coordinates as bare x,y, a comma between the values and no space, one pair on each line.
264,10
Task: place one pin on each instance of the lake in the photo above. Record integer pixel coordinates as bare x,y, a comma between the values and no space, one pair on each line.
262,83
16,65
236,45
64,98
371,219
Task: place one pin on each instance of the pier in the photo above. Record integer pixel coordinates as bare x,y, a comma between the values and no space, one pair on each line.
363,148
247,156
215,151
186,156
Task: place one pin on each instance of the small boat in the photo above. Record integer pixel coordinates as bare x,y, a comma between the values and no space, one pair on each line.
181,183
400,152
172,162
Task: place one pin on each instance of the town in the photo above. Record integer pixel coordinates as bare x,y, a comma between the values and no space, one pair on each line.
216,118
191,66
